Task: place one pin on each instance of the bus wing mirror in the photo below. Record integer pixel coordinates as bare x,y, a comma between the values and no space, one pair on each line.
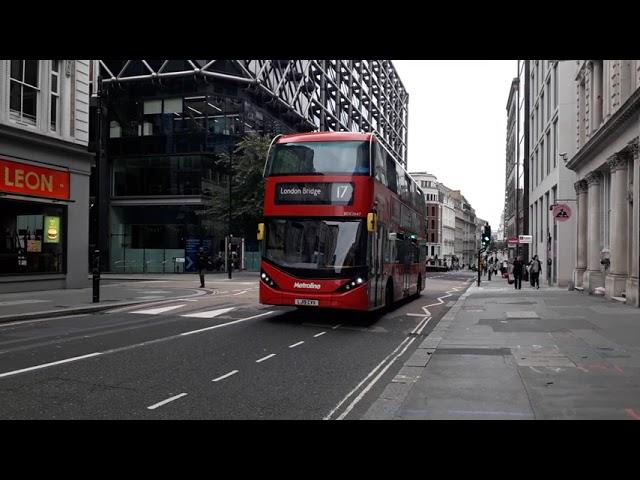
260,231
372,220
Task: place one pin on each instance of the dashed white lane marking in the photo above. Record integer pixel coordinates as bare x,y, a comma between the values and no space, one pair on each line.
296,344
240,293
208,313
318,334
164,402
226,375
127,347
225,324
156,311
334,328
266,358
45,365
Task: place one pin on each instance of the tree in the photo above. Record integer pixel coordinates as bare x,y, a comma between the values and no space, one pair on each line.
247,164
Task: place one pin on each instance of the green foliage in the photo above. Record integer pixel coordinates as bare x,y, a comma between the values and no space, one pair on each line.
247,163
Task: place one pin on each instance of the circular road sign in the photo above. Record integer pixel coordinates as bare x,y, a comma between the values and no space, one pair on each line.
561,212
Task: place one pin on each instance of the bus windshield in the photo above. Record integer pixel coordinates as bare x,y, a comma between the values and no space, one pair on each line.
320,245
320,158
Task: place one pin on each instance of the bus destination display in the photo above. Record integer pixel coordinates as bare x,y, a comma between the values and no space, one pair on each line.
314,193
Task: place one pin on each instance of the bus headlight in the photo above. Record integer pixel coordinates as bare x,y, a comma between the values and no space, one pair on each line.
351,284
268,280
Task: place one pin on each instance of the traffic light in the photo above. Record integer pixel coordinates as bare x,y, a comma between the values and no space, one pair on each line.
486,236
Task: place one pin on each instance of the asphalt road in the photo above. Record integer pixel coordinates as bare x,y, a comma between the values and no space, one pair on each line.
219,356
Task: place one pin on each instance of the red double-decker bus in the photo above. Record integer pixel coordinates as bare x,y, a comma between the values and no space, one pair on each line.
344,224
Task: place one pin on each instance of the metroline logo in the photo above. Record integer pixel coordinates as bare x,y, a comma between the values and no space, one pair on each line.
314,286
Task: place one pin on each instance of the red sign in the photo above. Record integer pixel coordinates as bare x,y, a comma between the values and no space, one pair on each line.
512,241
561,212
27,179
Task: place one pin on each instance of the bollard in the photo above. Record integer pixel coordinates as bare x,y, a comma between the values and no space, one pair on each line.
96,276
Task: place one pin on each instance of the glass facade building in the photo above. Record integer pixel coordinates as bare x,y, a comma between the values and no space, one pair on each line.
162,126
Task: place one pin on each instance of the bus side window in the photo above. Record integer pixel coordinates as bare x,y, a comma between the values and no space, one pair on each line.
380,164
392,179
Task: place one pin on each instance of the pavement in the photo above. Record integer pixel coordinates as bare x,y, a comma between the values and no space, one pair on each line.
501,353
116,290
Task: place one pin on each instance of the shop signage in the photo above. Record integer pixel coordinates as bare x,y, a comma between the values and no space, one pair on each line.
525,238
25,179
512,241
51,229
314,193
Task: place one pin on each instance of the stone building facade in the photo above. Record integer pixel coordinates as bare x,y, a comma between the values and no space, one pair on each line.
607,166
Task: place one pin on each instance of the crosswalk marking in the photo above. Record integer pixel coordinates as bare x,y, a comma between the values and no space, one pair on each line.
156,311
208,313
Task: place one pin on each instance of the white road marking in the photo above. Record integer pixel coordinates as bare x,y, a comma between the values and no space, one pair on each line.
21,302
240,293
164,402
224,324
417,314
45,365
424,325
318,334
296,344
266,358
232,372
209,313
26,322
156,311
128,347
405,343
334,328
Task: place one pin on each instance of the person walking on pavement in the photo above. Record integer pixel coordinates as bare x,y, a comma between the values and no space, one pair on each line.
535,269
517,272
202,265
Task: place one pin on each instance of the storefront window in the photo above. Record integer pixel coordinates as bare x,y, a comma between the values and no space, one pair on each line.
33,238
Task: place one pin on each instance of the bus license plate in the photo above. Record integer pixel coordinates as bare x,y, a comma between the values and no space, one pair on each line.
306,301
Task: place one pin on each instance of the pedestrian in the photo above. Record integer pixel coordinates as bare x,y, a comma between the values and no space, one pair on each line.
535,267
517,272
202,265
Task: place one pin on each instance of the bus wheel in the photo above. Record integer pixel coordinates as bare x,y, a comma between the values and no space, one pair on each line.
388,297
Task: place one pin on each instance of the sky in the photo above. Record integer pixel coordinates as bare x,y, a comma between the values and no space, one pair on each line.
458,126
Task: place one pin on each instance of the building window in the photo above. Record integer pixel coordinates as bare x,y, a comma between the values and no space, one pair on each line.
541,238
549,152
555,143
548,98
597,82
542,117
555,85
24,90
582,116
542,160
55,94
